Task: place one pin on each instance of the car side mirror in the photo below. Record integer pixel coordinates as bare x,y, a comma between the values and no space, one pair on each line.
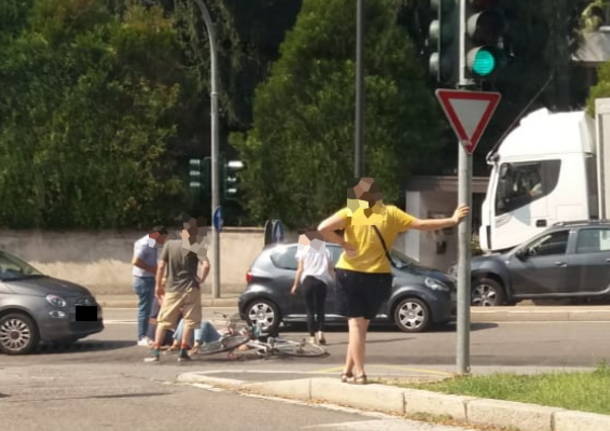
522,254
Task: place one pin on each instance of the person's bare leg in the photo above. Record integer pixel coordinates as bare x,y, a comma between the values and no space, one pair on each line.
186,336
358,343
349,361
159,336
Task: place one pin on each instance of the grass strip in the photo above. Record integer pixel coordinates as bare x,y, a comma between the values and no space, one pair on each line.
583,391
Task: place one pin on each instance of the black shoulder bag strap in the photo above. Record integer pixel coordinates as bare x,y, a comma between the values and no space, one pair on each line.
387,254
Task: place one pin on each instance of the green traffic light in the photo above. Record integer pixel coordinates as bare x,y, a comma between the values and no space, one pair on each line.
484,62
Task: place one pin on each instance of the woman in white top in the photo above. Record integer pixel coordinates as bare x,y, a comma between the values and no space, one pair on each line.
314,272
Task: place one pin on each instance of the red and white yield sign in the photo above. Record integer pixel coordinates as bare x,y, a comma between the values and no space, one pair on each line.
468,112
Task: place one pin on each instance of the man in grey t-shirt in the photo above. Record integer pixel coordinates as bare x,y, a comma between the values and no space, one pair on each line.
179,261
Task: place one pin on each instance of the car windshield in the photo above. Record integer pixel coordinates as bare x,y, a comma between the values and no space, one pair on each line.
13,268
401,260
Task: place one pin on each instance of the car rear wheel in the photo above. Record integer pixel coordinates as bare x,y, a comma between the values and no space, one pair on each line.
263,314
18,334
412,315
487,292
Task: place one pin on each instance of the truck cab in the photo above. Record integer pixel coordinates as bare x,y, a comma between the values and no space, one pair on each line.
543,172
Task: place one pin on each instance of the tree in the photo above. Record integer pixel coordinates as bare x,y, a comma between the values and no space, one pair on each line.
299,151
90,103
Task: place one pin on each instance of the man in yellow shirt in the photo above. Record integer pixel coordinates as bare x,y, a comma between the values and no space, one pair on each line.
363,272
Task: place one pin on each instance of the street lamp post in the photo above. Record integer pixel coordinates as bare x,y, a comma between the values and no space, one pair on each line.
359,121
209,25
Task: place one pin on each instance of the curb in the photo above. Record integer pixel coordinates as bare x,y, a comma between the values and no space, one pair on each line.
398,401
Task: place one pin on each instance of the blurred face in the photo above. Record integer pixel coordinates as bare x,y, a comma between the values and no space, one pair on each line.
158,237
190,231
316,244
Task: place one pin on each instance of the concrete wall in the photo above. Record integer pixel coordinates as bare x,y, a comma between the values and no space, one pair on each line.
101,260
437,249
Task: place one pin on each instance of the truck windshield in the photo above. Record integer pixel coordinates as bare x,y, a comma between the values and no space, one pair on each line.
13,268
521,183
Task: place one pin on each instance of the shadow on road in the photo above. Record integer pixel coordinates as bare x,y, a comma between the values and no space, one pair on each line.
450,327
82,346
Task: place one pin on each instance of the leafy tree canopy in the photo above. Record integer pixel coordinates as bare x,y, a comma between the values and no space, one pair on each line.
90,101
300,151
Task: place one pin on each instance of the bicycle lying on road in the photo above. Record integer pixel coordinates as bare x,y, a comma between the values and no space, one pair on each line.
243,337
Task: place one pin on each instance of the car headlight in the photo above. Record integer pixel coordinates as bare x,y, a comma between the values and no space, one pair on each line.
56,301
435,284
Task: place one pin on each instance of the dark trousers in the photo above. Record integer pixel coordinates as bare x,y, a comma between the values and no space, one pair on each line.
314,292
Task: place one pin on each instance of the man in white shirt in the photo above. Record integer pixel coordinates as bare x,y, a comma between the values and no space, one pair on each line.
144,269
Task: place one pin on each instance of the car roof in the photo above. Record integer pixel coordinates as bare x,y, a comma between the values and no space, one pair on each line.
577,223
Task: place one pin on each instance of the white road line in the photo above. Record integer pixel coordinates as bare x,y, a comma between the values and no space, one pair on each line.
120,322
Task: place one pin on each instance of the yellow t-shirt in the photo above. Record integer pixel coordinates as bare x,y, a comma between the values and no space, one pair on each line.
359,232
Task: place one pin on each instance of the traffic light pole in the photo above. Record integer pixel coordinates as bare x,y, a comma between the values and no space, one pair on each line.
465,227
214,147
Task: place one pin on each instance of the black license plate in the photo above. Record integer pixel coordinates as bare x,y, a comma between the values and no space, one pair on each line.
86,313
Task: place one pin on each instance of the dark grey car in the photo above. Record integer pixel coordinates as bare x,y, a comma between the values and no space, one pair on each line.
36,308
568,260
420,296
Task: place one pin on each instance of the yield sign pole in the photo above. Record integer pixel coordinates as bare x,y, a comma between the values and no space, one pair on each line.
469,113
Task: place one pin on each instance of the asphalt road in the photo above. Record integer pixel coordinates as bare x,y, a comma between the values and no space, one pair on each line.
101,382
537,344
131,397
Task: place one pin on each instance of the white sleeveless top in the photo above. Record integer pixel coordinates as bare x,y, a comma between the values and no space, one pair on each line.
316,259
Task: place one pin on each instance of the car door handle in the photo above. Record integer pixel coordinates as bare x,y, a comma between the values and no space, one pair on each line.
560,263
541,223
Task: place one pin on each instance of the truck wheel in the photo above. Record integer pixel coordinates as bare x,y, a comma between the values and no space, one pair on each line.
487,292
18,334
412,315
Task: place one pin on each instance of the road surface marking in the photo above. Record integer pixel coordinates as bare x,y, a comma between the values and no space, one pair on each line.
120,322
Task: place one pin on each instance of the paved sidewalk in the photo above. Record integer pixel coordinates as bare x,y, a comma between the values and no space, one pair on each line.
131,301
310,387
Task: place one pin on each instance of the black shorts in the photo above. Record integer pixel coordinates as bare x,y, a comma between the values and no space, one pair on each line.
361,294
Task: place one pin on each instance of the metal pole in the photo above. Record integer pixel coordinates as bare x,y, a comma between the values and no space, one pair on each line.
462,81
359,126
209,25
464,228
463,282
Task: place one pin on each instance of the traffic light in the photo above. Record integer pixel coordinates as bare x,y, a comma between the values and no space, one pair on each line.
485,28
230,181
444,41
199,177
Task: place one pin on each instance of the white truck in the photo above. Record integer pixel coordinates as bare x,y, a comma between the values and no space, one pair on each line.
548,169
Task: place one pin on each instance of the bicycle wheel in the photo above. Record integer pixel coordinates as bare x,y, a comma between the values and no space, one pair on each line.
300,349
224,344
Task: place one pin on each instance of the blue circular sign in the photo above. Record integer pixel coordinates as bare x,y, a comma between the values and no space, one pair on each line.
217,219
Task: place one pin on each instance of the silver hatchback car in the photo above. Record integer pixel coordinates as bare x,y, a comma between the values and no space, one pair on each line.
37,308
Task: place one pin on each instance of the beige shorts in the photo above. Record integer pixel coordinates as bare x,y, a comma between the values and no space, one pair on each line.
187,303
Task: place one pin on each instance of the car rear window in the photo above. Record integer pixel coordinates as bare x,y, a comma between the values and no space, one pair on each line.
284,257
